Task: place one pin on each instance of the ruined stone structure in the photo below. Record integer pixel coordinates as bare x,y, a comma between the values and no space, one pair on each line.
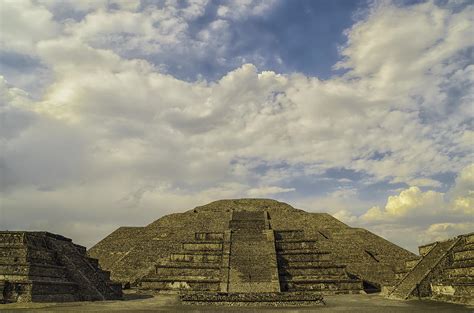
244,246
443,271
44,267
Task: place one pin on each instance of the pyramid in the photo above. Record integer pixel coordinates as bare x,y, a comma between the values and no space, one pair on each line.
250,246
45,267
443,271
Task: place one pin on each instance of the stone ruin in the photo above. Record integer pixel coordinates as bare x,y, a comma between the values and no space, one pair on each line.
443,271
252,250
44,267
239,252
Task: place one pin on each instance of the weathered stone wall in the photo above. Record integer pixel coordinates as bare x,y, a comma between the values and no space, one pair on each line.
155,242
455,281
196,266
445,271
40,266
304,266
366,255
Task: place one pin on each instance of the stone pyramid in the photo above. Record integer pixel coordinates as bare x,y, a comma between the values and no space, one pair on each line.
250,246
44,267
443,271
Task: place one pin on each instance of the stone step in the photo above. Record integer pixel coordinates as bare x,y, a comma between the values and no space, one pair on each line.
460,271
33,269
289,234
15,277
26,260
319,279
400,275
6,251
202,285
462,263
251,225
296,245
304,264
293,256
50,265
180,271
197,257
463,255
182,278
468,239
189,265
464,247
209,236
461,280
323,285
202,246
43,287
24,255
250,239
315,271
248,215
54,287
302,252
274,298
433,254
409,264
80,249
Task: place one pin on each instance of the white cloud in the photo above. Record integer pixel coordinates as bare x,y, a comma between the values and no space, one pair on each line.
426,215
23,24
412,203
462,194
409,202
267,190
425,182
241,9
345,216
115,133
443,231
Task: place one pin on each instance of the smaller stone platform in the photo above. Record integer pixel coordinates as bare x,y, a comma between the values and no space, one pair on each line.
45,267
444,271
250,299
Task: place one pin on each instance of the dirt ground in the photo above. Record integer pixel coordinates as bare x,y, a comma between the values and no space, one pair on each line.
170,303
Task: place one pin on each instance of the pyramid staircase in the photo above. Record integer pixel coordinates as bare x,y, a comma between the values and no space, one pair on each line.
455,282
196,267
43,267
250,257
416,282
252,262
304,266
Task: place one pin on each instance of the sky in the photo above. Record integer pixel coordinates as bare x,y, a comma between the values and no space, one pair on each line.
115,113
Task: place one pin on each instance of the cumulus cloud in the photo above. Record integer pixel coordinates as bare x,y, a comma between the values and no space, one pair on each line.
114,134
428,215
442,231
24,24
409,202
462,194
